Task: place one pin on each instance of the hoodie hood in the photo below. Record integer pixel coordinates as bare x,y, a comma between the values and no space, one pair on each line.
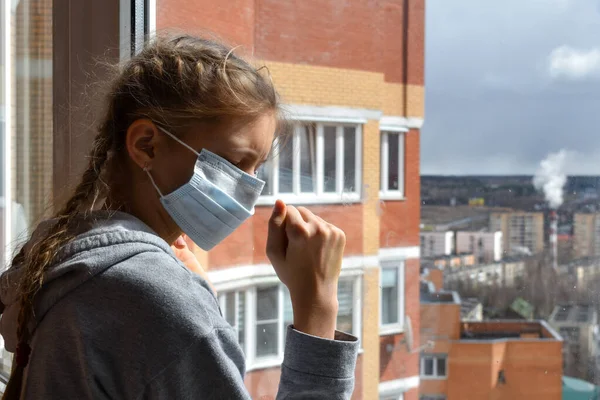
102,239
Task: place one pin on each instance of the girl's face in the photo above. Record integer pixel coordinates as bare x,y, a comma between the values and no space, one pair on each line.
245,143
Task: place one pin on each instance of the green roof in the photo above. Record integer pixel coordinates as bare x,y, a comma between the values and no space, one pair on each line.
522,307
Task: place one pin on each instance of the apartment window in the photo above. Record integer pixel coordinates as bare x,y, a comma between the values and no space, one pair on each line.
392,165
318,163
395,397
432,397
392,296
433,366
260,316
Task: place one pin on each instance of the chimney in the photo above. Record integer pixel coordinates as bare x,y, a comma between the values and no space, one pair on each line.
553,238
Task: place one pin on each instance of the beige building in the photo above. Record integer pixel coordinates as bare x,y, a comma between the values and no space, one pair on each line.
435,244
485,246
522,232
577,324
586,235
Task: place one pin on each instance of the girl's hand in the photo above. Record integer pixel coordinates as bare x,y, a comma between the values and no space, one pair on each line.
306,253
187,257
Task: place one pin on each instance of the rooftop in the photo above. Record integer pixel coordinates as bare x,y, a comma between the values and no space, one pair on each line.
429,295
467,305
574,313
507,330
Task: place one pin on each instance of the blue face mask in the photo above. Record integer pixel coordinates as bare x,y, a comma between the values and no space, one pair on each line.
215,201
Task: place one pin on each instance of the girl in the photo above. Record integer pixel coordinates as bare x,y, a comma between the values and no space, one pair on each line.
97,304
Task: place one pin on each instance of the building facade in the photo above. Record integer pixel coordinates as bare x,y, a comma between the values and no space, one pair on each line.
578,326
522,232
486,246
434,244
586,235
356,94
475,360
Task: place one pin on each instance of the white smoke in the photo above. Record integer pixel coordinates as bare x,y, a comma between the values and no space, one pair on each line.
551,178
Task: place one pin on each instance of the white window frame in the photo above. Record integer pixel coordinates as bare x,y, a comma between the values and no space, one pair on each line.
384,192
434,358
318,196
253,362
395,327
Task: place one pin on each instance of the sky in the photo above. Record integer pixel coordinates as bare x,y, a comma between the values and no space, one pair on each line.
509,82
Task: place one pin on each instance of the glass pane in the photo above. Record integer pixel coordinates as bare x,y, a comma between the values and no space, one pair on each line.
266,303
230,308
389,305
288,312
441,367
428,366
30,135
308,158
329,158
241,321
389,277
349,159
345,302
266,339
285,151
393,161
264,173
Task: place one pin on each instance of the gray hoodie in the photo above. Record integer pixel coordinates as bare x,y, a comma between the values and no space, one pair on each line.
119,317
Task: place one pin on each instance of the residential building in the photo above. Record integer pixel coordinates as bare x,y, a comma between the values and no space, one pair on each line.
451,261
586,235
357,99
522,232
501,360
584,272
500,274
486,246
435,244
471,309
578,326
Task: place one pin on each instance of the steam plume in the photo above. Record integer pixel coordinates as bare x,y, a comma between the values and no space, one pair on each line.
550,178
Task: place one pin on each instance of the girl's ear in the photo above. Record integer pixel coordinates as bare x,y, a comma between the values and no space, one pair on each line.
141,141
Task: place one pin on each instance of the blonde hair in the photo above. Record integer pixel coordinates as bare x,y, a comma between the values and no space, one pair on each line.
173,81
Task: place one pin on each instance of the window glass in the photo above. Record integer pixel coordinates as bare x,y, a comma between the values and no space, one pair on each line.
389,295
428,366
345,300
393,162
267,336
286,154
349,159
441,366
308,158
329,158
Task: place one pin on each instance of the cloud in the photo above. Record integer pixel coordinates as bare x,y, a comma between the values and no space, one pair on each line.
573,64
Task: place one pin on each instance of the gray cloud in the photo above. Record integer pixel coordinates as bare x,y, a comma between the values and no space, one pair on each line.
507,83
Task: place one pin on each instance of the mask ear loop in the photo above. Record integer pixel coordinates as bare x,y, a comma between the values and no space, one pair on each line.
147,171
181,142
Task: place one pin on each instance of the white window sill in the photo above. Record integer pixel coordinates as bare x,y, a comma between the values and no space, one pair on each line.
433,378
391,196
264,363
310,198
392,329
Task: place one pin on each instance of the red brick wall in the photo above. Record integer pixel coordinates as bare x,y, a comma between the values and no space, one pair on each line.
397,363
400,219
365,35
247,244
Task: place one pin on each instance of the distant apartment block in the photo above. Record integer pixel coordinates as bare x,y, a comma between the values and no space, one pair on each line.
435,244
578,326
508,273
522,232
584,272
485,359
485,246
586,235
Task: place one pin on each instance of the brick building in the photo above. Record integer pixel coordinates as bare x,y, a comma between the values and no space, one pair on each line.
352,76
475,360
351,73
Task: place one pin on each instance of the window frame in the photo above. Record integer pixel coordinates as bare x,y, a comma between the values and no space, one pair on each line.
395,327
318,195
384,192
254,362
435,358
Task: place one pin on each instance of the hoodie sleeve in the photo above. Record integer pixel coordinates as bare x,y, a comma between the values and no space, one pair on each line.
213,367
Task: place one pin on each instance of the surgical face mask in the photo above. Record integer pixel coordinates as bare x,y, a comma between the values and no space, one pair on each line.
215,201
